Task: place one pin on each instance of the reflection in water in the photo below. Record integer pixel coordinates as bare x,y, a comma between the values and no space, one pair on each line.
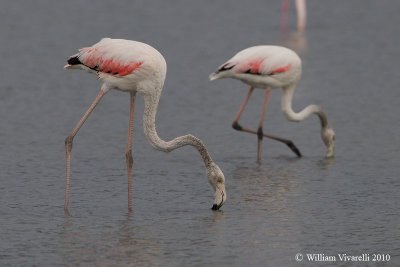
268,192
301,11
296,41
264,187
325,163
125,247
216,217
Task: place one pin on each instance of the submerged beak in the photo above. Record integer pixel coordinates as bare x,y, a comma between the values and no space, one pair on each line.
330,150
328,135
219,196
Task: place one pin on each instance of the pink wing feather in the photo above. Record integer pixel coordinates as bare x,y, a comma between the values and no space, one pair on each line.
102,58
259,61
260,66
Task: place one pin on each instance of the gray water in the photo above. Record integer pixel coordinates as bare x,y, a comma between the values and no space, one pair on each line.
275,209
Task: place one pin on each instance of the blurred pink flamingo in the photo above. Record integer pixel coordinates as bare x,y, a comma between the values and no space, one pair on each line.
301,14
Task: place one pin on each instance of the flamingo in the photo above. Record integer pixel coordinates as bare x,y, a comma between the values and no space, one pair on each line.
301,14
269,67
135,67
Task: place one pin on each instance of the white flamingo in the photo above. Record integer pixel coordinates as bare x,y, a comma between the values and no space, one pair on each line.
135,67
301,14
269,67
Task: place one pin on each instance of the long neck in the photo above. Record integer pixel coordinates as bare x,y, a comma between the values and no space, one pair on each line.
149,125
286,104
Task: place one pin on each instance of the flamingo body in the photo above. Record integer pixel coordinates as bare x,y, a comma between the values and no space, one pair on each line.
122,64
136,67
269,67
262,66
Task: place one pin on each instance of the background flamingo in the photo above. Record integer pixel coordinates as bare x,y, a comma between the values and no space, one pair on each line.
269,67
135,67
301,11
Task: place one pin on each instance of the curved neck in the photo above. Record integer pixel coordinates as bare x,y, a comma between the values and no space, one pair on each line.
149,125
286,104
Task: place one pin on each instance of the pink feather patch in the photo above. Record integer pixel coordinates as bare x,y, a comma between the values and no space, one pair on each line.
280,70
254,65
113,67
93,58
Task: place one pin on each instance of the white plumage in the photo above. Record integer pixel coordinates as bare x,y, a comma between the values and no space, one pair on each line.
269,67
136,67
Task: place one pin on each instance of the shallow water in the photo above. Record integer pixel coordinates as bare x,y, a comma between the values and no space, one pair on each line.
275,209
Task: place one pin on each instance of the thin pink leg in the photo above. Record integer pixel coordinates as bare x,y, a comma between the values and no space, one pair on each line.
301,15
128,151
242,107
238,127
68,145
260,133
284,15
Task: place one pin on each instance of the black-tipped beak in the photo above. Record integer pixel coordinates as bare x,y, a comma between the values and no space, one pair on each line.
220,197
215,207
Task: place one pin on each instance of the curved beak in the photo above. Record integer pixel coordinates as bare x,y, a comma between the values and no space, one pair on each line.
219,196
330,150
328,136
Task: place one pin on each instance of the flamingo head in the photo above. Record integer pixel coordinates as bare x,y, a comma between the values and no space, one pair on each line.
217,180
328,136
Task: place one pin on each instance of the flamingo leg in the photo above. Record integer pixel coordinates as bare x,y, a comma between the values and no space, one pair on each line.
301,15
242,107
260,133
128,151
284,15
68,145
238,127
